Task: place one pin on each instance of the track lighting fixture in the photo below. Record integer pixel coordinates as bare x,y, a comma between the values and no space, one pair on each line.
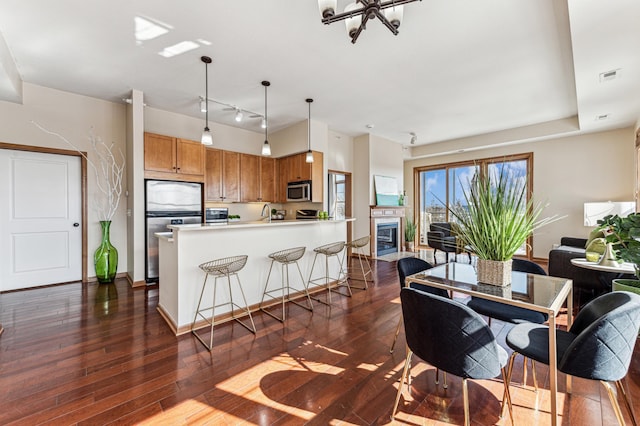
238,115
414,138
266,148
358,13
206,138
309,157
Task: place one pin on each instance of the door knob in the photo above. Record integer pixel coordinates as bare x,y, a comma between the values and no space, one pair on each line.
75,225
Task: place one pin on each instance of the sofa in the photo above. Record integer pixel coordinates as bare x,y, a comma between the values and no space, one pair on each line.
587,283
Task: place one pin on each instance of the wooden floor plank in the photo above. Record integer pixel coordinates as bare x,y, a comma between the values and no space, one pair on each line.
68,356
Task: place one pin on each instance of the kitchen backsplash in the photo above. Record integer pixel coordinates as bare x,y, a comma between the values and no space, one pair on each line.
251,211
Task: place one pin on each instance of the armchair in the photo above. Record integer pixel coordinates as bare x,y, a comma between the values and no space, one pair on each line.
441,238
593,283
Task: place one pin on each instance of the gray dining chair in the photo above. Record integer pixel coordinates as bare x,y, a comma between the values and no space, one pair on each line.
453,338
598,346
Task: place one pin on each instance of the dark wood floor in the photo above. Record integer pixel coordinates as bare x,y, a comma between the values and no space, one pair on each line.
69,355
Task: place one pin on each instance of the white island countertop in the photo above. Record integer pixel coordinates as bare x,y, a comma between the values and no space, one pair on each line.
187,246
254,224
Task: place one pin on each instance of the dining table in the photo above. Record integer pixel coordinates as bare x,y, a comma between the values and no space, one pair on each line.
539,293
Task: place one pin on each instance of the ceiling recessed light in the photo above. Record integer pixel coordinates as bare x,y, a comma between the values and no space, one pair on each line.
609,75
178,49
147,30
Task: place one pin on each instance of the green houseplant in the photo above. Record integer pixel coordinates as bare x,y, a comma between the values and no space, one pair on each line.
496,221
409,234
623,233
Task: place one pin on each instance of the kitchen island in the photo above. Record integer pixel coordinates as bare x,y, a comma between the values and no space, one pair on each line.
181,251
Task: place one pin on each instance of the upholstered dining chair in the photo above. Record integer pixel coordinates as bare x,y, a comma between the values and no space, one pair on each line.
513,314
453,338
409,266
598,346
507,313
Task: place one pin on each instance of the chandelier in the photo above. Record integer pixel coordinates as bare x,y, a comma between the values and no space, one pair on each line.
357,14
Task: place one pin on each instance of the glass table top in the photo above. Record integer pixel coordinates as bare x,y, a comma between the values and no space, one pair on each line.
537,292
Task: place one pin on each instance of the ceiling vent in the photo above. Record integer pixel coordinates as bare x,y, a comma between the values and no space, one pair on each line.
609,75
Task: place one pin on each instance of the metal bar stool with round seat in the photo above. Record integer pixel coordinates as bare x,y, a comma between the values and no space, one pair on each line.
331,250
357,247
285,258
225,267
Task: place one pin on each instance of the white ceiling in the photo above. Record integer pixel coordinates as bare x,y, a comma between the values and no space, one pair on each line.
457,69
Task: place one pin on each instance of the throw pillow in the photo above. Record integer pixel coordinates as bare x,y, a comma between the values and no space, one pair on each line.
597,245
592,236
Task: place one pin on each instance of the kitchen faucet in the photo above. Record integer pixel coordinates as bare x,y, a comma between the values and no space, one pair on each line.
266,207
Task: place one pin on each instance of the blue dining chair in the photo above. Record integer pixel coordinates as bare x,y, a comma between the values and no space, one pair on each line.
453,338
598,346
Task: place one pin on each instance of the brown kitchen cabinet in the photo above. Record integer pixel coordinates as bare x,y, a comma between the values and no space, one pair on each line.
222,175
268,173
294,168
257,178
249,177
166,157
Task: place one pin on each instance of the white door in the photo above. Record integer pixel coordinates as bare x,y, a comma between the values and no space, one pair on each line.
40,213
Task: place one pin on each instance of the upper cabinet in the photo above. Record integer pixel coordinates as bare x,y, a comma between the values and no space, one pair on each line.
257,178
249,177
295,168
222,176
268,179
166,157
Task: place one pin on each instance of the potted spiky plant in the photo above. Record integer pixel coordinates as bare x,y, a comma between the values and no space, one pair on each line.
496,221
409,234
623,234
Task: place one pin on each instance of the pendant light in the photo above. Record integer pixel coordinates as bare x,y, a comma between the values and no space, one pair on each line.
266,148
206,139
309,157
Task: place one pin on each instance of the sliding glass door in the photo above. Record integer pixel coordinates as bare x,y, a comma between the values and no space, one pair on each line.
444,185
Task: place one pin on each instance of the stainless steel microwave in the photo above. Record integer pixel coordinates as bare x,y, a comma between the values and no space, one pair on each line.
299,191
216,215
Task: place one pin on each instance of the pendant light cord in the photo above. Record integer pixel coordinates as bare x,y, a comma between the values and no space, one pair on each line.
309,100
206,93
266,126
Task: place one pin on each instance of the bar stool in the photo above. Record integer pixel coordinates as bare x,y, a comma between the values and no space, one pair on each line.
329,251
357,248
285,258
225,267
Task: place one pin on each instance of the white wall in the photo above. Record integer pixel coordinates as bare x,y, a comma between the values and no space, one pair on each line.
73,116
136,230
361,186
181,126
372,155
339,153
567,172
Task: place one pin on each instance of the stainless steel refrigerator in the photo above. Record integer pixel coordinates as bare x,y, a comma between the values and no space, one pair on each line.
168,203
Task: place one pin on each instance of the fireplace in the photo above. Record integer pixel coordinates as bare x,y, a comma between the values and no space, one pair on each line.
386,229
386,238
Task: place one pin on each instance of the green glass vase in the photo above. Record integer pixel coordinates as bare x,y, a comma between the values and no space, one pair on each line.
106,257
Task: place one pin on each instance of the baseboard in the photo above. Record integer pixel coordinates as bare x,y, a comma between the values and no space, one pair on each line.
228,316
134,284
